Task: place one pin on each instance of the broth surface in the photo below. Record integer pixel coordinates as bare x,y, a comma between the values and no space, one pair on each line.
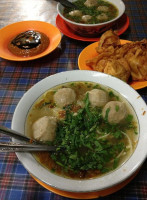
103,11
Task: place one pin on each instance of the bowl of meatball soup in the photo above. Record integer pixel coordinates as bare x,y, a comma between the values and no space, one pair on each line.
97,124
91,17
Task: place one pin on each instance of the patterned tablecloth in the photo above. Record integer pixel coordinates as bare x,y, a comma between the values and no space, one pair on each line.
17,77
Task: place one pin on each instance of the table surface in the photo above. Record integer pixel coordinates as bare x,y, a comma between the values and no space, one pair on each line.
17,77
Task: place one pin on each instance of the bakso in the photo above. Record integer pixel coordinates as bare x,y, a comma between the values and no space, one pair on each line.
86,18
91,3
102,17
64,96
103,8
75,13
44,128
115,112
98,97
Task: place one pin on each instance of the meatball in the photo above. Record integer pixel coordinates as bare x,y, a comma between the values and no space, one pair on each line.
76,13
98,97
102,17
86,18
64,96
103,8
44,129
115,111
91,3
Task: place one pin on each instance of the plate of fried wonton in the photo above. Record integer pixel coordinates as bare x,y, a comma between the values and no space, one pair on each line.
123,59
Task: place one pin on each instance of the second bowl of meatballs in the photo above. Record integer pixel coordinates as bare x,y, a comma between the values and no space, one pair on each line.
91,17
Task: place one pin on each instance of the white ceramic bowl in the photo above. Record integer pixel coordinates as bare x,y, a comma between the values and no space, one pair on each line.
96,184
92,29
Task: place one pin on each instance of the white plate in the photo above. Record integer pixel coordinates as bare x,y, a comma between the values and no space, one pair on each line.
109,180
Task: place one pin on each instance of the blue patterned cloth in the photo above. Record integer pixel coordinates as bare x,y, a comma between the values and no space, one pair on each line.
17,77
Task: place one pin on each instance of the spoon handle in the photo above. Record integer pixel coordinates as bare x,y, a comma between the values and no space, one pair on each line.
66,3
13,147
15,134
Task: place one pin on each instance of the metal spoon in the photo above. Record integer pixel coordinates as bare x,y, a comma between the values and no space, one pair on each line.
13,147
16,135
67,3
32,145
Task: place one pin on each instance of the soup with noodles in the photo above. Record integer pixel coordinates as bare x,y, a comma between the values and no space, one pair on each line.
94,129
91,11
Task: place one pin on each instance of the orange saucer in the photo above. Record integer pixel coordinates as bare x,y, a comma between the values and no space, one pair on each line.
12,30
89,52
120,26
88,195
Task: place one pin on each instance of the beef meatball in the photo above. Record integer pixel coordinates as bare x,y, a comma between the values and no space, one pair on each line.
98,97
102,17
91,3
115,111
64,96
86,18
44,129
75,13
103,8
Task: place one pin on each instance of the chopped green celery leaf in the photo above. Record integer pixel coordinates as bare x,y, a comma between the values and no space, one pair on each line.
72,84
58,148
98,145
117,108
73,156
59,163
136,132
107,113
88,145
111,95
115,163
118,134
100,166
96,86
129,118
53,170
104,170
77,140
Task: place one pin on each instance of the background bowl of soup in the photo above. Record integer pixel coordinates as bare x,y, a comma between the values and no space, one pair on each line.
45,101
91,17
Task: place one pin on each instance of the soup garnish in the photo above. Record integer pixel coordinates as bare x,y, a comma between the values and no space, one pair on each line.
91,12
89,143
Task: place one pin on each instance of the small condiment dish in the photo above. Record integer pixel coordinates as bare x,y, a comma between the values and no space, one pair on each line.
7,33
